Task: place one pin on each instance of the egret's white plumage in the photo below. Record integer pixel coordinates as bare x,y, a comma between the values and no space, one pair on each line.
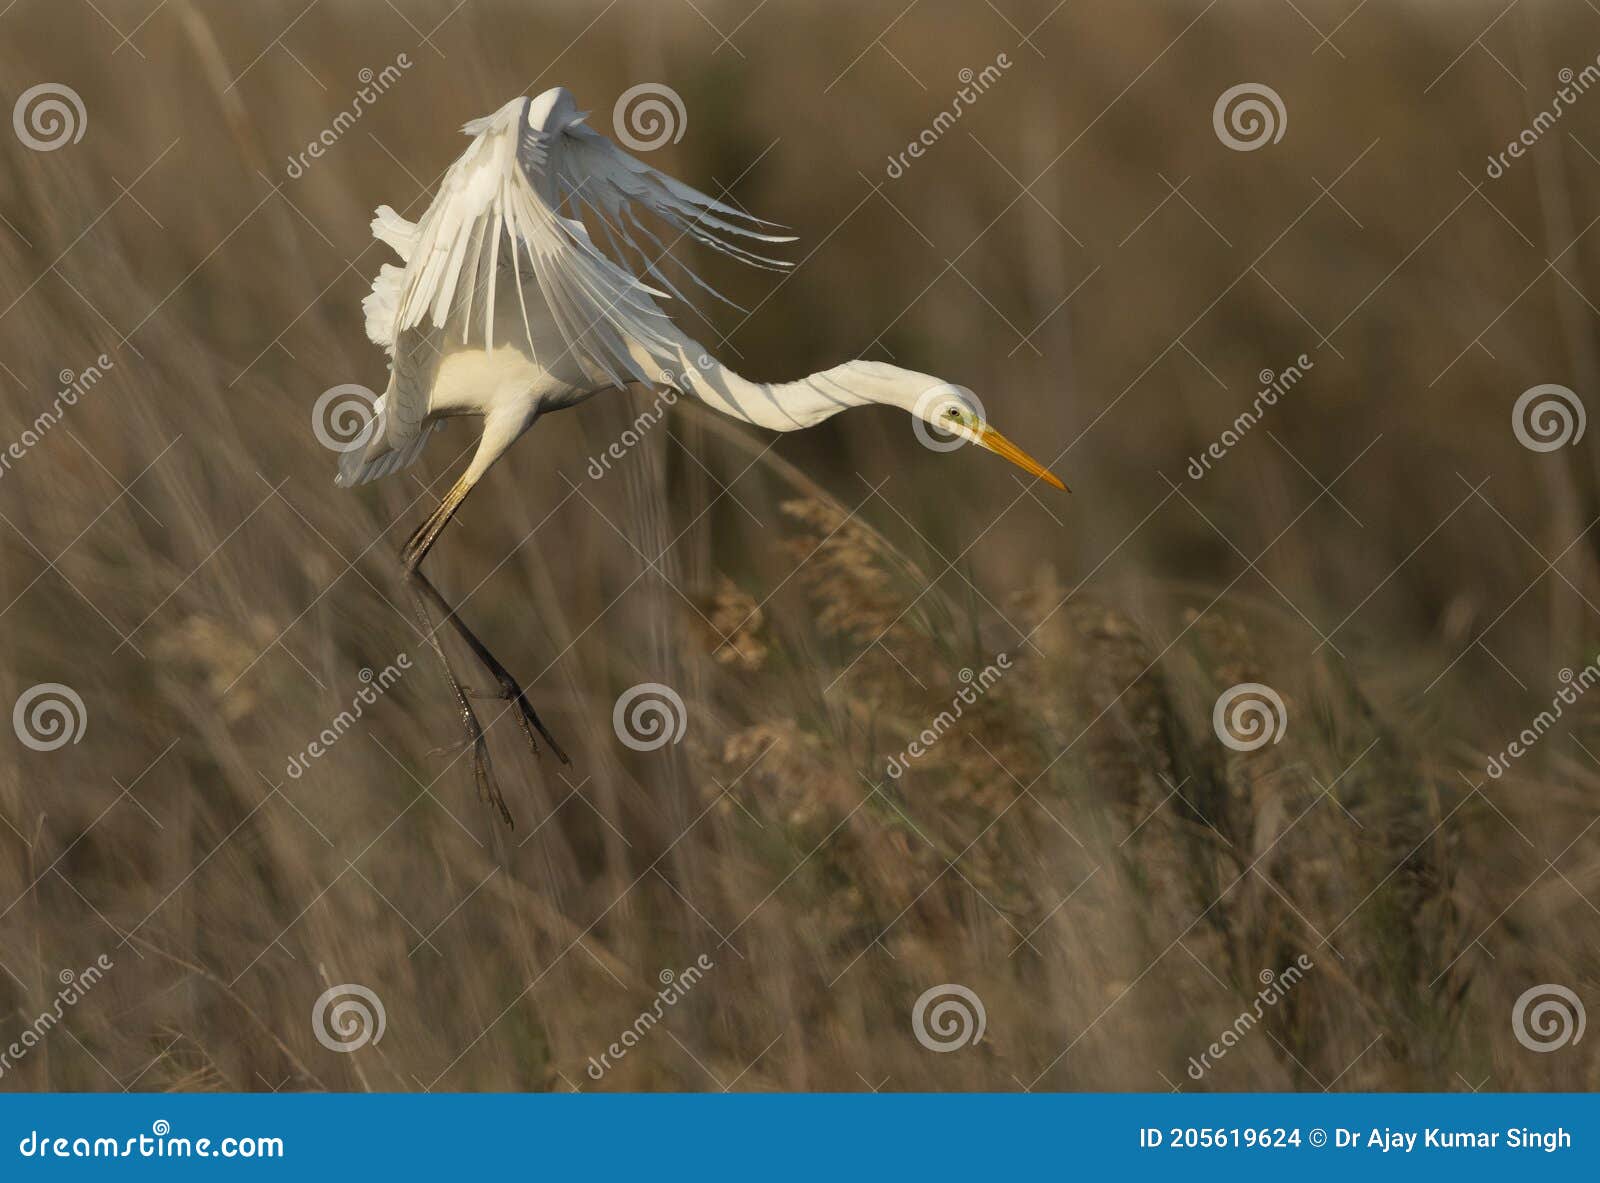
504,307
498,270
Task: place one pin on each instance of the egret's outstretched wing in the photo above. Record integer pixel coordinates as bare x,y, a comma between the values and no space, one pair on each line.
594,174
496,231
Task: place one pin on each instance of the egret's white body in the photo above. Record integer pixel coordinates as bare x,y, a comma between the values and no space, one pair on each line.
505,308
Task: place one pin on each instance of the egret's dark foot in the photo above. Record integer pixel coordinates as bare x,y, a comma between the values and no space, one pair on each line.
527,718
510,690
488,786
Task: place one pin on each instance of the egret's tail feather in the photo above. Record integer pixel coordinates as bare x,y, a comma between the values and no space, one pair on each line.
360,465
381,305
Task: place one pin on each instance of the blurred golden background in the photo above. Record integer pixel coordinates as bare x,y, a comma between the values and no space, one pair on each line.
1080,851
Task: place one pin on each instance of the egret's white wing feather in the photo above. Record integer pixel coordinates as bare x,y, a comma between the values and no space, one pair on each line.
362,464
389,227
382,304
507,191
593,173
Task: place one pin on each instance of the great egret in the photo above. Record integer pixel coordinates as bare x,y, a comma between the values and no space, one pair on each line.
505,308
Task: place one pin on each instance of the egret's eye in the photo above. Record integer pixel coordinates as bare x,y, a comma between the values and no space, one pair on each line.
953,413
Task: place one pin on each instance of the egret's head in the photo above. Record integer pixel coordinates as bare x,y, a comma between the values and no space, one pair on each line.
955,416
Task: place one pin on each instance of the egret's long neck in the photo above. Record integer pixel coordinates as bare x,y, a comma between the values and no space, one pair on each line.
784,406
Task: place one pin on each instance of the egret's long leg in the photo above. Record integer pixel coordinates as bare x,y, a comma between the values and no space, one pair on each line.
510,689
423,592
488,787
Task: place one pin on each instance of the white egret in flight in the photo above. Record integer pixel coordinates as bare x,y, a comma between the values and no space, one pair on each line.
506,308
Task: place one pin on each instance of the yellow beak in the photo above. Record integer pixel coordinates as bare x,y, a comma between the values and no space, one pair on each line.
989,438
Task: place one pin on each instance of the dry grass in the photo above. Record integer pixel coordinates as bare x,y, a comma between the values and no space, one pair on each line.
1080,851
